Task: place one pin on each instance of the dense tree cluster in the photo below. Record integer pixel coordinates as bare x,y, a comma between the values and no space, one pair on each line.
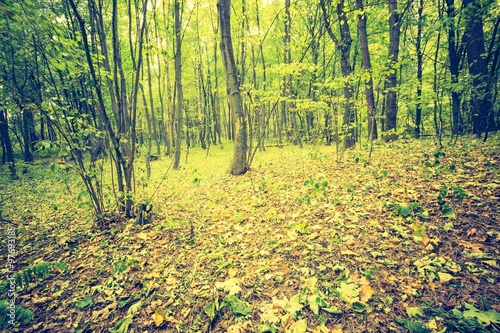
104,77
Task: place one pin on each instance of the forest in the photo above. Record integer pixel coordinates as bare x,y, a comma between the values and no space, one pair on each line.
250,166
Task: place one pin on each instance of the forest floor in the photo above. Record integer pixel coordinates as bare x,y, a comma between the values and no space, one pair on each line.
307,241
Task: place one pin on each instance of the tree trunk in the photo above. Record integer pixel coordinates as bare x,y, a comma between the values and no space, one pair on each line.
4,134
478,66
178,84
454,59
344,47
418,111
367,67
391,102
239,164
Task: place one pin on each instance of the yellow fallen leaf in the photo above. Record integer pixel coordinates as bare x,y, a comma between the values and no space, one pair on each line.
349,252
232,271
299,326
445,277
41,300
185,312
158,317
366,293
142,236
171,280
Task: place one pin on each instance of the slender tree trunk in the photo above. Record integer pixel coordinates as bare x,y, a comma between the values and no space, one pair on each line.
454,59
178,84
239,164
418,111
151,102
344,47
367,67
391,102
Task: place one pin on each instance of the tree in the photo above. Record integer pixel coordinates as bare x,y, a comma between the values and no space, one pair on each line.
478,67
239,164
454,59
344,47
6,144
367,68
178,83
391,101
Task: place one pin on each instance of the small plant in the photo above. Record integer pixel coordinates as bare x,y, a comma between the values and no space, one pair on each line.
437,155
407,210
444,207
123,264
316,189
19,315
458,193
33,273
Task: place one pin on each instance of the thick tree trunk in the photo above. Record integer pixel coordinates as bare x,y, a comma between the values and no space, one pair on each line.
4,134
478,66
239,165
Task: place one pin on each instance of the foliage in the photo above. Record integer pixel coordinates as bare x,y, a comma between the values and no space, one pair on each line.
34,273
23,315
241,253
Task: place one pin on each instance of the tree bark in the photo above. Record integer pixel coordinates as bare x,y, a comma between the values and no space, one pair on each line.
344,47
454,59
4,134
478,66
239,164
367,67
418,46
178,84
391,102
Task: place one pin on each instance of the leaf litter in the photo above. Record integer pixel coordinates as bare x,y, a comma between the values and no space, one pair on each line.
301,243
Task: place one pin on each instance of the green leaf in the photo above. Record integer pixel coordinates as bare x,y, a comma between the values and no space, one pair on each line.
361,307
122,325
84,302
484,317
313,304
238,306
134,308
404,211
448,212
210,310
266,328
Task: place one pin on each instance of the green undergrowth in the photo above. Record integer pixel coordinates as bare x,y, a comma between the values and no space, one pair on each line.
307,241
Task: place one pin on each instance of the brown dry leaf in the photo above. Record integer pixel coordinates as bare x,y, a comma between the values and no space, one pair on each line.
236,328
471,232
40,300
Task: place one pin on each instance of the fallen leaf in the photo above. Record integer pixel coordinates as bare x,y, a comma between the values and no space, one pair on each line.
366,293
158,317
299,326
445,277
